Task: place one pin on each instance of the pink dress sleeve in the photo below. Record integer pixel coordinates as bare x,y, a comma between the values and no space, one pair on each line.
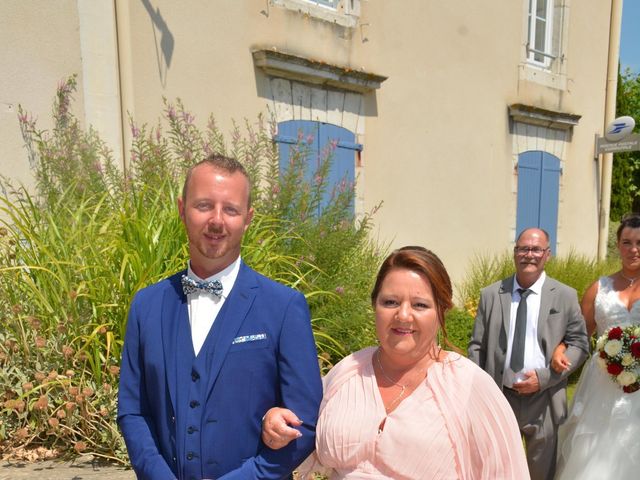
482,426
344,370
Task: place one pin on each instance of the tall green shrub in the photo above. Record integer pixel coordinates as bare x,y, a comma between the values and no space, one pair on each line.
625,181
73,253
575,270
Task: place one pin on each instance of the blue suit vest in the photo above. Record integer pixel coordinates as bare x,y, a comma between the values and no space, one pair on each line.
193,373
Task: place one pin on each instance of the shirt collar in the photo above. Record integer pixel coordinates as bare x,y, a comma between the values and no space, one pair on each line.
535,288
227,276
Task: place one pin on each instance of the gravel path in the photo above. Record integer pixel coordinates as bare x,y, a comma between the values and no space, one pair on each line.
79,469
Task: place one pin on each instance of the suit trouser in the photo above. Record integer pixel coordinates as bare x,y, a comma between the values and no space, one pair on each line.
540,433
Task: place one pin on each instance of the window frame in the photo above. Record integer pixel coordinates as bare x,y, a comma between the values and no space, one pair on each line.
332,4
532,19
341,12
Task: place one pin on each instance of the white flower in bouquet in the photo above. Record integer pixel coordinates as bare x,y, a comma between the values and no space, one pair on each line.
602,339
613,347
626,378
627,359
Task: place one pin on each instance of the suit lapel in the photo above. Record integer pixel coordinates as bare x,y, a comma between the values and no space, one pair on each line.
548,293
174,314
234,312
505,292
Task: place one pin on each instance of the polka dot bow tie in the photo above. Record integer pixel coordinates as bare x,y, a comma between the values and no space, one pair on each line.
189,285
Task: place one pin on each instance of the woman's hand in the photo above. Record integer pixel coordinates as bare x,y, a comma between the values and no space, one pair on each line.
559,361
276,432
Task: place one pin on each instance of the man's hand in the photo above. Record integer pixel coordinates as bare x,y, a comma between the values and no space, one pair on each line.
529,385
559,361
276,432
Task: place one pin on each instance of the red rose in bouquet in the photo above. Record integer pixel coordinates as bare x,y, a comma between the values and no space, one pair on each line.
615,369
618,350
615,333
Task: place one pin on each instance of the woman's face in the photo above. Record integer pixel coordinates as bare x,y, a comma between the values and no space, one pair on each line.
406,315
629,247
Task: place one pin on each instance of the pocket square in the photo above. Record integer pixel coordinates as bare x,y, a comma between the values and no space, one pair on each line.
249,338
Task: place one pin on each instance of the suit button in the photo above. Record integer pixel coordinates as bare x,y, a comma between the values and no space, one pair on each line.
190,456
194,376
173,419
175,459
194,403
191,429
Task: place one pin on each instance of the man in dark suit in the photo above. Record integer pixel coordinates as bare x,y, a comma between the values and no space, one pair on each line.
209,350
517,354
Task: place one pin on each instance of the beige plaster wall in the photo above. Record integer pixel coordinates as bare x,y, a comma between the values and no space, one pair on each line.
40,47
211,67
439,148
587,57
440,152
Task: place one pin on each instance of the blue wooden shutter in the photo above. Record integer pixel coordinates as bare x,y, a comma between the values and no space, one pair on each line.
538,193
550,196
288,134
342,171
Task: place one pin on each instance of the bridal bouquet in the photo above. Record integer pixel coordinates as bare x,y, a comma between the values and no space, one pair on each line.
619,355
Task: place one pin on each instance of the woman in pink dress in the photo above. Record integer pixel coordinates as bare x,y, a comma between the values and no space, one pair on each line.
407,409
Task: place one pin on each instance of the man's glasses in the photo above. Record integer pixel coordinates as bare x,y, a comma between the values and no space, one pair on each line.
535,251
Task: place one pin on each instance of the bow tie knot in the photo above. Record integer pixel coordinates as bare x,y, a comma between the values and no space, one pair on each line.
189,285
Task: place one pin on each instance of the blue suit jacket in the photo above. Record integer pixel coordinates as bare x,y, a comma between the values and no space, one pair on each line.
247,377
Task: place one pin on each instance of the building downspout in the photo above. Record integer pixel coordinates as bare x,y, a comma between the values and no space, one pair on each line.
125,74
615,25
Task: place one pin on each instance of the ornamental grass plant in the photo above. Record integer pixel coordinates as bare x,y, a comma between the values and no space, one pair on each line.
73,253
577,271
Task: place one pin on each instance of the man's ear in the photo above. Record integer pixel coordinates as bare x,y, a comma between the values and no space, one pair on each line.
249,219
181,208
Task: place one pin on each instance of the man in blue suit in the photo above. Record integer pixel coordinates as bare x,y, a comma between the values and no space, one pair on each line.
209,350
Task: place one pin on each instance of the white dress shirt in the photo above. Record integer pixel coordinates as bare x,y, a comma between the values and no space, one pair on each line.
204,307
533,356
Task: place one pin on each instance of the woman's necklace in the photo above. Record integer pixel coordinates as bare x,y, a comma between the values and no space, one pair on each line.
403,388
630,280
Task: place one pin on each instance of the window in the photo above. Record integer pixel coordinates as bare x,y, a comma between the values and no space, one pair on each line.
538,193
544,41
540,34
328,3
319,136
341,12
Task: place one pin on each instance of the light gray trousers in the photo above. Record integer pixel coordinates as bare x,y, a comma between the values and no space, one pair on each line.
540,433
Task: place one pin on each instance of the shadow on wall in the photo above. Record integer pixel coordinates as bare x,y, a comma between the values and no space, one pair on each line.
164,47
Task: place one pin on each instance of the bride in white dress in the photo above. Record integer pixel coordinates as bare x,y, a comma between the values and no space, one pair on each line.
601,437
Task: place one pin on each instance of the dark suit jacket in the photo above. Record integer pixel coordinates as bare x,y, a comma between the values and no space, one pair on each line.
560,319
247,377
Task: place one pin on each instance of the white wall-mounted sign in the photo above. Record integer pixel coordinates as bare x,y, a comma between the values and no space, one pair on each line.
618,137
619,128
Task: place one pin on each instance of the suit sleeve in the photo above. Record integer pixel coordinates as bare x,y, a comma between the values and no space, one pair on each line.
477,345
300,391
495,444
133,409
575,338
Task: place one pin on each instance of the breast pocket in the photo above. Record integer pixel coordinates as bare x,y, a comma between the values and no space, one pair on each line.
249,342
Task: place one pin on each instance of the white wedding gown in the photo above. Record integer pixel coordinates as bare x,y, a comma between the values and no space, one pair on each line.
601,437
